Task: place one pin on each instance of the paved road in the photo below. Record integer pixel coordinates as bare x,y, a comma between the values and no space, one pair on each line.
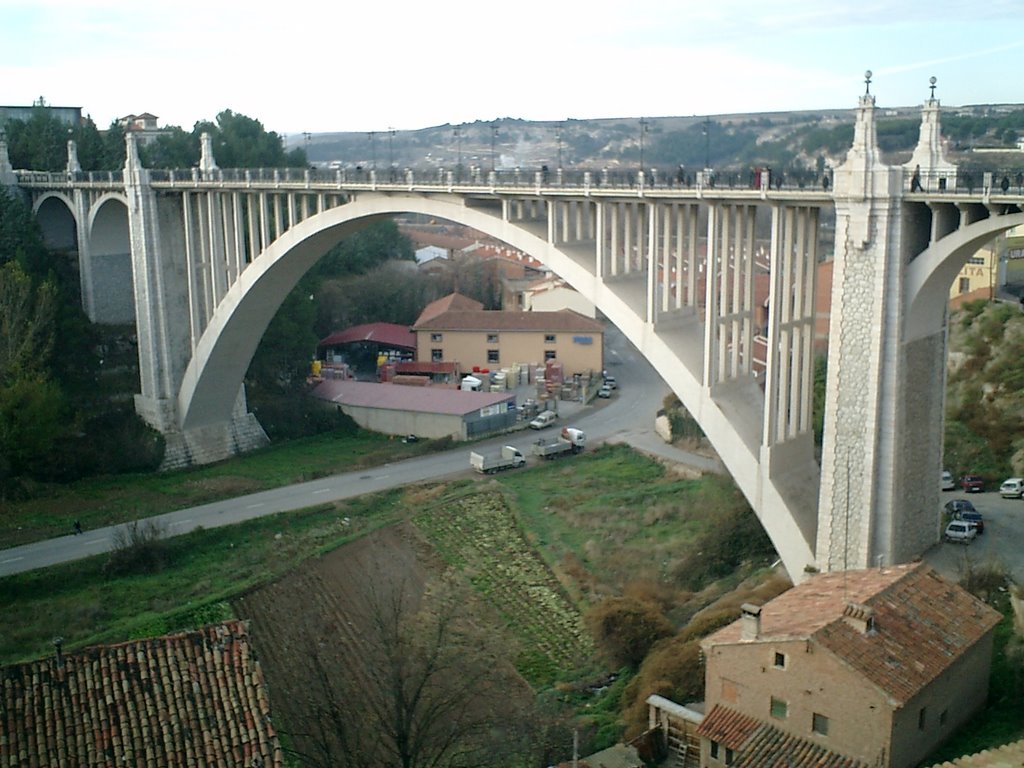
628,417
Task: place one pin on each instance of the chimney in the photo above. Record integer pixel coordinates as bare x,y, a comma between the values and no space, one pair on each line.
750,618
860,617
57,643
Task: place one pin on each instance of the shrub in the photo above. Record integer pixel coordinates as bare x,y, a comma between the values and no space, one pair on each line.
626,629
139,547
674,669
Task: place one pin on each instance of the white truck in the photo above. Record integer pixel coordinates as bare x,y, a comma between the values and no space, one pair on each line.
569,441
488,464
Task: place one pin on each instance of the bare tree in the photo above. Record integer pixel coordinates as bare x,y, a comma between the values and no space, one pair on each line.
423,685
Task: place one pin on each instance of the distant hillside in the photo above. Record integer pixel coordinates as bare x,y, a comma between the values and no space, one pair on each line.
791,141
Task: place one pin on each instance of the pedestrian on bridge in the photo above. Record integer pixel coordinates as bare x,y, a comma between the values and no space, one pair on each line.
915,180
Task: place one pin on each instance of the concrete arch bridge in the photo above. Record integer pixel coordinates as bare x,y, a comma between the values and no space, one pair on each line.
200,261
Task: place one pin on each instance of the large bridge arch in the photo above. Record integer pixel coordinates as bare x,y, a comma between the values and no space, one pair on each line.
56,214
930,275
215,372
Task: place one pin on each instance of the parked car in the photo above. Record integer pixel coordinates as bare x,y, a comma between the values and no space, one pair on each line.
544,419
960,532
972,483
948,483
609,381
974,519
1012,488
604,391
955,506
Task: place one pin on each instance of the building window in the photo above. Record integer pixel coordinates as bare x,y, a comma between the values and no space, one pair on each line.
976,260
780,660
492,338
922,716
715,751
492,356
819,724
436,355
435,337
550,354
549,338
779,709
728,756
965,285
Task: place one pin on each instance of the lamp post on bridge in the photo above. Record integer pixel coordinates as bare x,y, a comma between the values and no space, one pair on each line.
306,134
458,143
558,136
643,129
373,150
706,130
391,153
494,135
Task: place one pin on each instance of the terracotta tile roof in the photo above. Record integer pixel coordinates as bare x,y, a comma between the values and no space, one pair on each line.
728,727
566,321
1006,756
453,302
196,698
922,623
761,745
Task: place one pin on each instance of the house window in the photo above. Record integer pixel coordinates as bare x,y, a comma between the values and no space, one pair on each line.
715,749
492,356
922,716
728,756
965,285
780,660
549,338
435,337
819,724
436,355
779,709
550,354
492,338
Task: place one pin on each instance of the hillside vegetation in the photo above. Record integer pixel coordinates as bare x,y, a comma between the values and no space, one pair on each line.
985,391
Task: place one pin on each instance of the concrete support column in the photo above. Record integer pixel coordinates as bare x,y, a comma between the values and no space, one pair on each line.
712,266
650,262
600,240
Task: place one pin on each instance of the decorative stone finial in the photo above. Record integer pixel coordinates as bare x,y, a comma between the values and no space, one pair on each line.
206,162
867,82
931,84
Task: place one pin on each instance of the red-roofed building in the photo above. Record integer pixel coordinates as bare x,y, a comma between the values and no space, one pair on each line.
195,698
874,667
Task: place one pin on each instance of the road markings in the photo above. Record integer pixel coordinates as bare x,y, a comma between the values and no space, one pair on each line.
182,522
322,490
96,541
11,560
256,506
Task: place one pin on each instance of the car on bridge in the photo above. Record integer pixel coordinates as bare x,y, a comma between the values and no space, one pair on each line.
972,483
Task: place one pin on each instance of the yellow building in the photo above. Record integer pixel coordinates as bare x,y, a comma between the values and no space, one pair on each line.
977,279
494,339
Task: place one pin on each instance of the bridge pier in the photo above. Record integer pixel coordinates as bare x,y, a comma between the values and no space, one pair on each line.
882,447
175,287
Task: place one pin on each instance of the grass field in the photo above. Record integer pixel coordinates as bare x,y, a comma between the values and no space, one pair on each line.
105,501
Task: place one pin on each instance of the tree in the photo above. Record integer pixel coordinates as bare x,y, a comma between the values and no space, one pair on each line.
242,142
423,685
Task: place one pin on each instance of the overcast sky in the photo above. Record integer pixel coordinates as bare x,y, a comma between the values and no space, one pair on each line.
362,65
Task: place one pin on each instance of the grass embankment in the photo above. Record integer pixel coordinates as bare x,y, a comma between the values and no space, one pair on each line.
106,501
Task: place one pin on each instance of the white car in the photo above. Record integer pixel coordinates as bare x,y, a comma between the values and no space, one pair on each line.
961,532
1012,488
948,483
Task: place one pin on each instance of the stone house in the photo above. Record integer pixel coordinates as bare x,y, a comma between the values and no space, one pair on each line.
871,667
